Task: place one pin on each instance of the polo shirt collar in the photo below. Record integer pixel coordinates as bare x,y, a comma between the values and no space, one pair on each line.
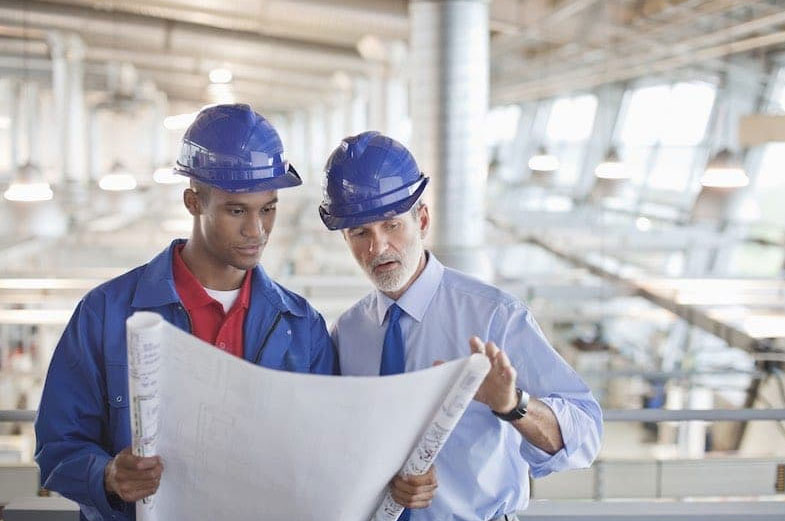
418,296
191,291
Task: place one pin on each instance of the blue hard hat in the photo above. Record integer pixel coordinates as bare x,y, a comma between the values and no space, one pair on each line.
235,149
369,177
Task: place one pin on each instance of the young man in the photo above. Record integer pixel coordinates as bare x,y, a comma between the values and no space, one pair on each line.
210,285
532,415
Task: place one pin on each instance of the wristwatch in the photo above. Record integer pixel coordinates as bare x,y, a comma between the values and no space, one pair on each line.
519,411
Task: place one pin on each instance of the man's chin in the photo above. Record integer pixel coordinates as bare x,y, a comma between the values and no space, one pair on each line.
246,264
387,285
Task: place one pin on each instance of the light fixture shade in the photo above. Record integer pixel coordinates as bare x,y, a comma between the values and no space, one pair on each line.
118,179
611,167
542,161
724,171
28,185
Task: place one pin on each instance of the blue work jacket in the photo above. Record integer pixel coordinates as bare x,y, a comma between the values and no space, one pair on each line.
83,420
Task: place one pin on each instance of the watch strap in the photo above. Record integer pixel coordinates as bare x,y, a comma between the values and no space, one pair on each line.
519,411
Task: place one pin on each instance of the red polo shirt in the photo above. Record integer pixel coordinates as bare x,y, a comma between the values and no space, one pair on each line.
209,322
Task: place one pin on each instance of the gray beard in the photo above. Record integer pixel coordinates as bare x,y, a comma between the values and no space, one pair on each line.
392,281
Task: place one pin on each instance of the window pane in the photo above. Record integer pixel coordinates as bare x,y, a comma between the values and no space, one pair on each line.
571,119
644,115
636,162
501,124
570,159
673,168
687,114
770,185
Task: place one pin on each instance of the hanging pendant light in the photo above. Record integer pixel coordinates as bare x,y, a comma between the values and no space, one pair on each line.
28,185
724,171
542,161
118,179
611,167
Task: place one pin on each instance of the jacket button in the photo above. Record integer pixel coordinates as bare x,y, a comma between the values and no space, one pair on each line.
119,399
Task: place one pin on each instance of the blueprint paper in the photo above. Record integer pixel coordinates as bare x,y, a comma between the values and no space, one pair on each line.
243,442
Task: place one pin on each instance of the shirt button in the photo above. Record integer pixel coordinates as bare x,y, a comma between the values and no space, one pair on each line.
288,331
222,345
118,399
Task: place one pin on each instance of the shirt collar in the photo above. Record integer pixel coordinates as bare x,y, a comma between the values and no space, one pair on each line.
415,300
192,292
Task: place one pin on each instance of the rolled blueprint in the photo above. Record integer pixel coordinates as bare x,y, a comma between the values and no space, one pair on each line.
437,432
145,333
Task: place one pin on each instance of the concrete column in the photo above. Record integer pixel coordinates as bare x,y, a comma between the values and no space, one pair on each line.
358,108
296,147
15,126
317,144
68,52
449,100
32,118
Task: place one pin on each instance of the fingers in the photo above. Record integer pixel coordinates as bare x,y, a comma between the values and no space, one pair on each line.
135,491
476,345
133,477
137,463
503,367
414,491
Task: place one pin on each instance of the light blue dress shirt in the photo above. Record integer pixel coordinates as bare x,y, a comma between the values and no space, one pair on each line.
483,468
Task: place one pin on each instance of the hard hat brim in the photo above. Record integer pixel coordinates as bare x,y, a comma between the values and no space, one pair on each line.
252,184
333,222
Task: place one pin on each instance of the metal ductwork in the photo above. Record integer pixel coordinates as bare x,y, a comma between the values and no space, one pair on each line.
450,70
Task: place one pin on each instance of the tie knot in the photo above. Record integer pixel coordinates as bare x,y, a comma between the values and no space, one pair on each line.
394,313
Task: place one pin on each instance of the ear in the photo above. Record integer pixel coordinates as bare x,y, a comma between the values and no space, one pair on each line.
425,220
192,202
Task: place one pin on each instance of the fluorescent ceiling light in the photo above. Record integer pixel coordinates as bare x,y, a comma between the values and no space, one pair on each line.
220,75
28,186
118,179
643,224
724,171
29,192
543,162
611,167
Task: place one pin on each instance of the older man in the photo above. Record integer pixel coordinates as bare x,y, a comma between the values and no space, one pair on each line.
532,415
210,285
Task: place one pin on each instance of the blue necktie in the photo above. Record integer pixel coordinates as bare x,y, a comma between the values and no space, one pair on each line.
392,351
392,358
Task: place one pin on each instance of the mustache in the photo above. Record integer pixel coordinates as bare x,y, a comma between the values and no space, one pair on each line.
383,259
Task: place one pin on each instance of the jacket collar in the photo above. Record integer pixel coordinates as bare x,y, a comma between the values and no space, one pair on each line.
156,286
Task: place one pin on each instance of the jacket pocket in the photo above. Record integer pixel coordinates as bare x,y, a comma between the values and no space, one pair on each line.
117,398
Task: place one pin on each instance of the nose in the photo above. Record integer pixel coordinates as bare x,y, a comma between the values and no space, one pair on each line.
378,243
253,226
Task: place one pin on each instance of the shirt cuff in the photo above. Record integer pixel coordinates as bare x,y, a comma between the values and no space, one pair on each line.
540,462
113,510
